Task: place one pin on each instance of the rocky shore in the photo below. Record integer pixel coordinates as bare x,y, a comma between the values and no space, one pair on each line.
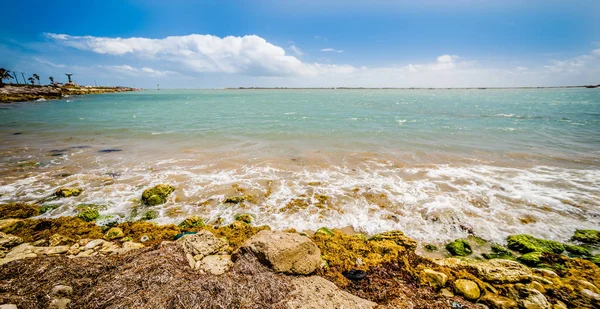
23,93
71,262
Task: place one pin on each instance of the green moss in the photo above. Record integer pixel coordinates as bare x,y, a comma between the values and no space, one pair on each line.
324,231
459,247
157,195
431,248
587,236
477,240
578,251
248,218
191,222
499,252
524,243
531,259
18,210
67,192
396,236
150,215
360,236
237,199
48,207
88,214
595,259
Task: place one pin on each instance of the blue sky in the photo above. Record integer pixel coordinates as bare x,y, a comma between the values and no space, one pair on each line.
205,44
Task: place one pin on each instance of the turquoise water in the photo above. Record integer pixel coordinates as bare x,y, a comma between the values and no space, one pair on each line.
429,162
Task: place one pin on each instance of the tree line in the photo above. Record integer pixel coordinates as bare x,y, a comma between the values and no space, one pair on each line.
9,75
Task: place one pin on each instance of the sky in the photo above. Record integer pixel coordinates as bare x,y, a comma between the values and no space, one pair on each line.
276,43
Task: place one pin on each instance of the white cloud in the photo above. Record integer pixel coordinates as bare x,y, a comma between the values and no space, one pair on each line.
46,62
247,55
331,50
135,71
297,51
443,63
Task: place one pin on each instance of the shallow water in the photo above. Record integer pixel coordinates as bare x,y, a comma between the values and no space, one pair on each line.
437,164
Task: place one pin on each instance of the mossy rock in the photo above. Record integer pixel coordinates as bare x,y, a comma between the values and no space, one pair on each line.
88,214
157,195
325,231
237,199
248,218
191,222
67,192
531,258
18,210
114,233
431,248
360,236
577,251
48,207
595,259
396,236
459,247
150,215
524,243
587,236
499,252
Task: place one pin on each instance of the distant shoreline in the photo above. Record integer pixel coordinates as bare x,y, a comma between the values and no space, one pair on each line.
405,88
25,93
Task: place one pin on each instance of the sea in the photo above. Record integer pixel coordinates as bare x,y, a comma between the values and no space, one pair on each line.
437,164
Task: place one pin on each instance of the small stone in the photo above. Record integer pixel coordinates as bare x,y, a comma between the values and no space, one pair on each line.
144,238
130,245
58,239
503,271
459,247
9,241
216,264
8,306
86,253
198,257
538,286
434,278
114,233
50,250
588,285
591,294
532,299
74,249
157,195
84,241
446,293
467,288
62,290
498,302
61,303
202,243
191,260
94,243
67,192
559,305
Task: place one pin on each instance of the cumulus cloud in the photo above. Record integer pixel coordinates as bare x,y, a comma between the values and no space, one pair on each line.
297,51
331,50
443,63
247,55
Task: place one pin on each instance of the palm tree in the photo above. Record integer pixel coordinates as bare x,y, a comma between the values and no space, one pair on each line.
31,80
15,77
36,77
51,79
4,74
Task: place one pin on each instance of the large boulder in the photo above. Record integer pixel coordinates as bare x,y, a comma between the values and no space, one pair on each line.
201,244
503,271
288,253
316,292
157,195
467,288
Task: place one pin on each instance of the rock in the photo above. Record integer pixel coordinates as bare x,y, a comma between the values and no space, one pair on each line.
467,288
499,252
215,264
144,238
191,222
524,243
74,249
431,248
50,250
94,243
67,192
446,293
532,299
498,302
9,241
109,247
114,233
503,271
4,223
289,253
591,294
398,237
587,236
58,240
531,258
317,292
237,199
434,278
61,290
459,247
324,231
157,195
61,303
88,214
150,215
545,272
559,305
577,251
86,253
246,218
130,245
202,243
8,306
18,210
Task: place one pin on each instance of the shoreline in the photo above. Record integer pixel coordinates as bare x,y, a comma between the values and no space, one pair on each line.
365,271
26,93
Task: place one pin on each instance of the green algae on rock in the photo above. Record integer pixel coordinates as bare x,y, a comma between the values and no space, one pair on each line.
19,210
247,218
459,247
237,199
499,252
431,248
114,233
191,222
587,236
88,214
324,231
48,207
157,195
531,258
150,215
67,192
398,237
578,251
524,243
